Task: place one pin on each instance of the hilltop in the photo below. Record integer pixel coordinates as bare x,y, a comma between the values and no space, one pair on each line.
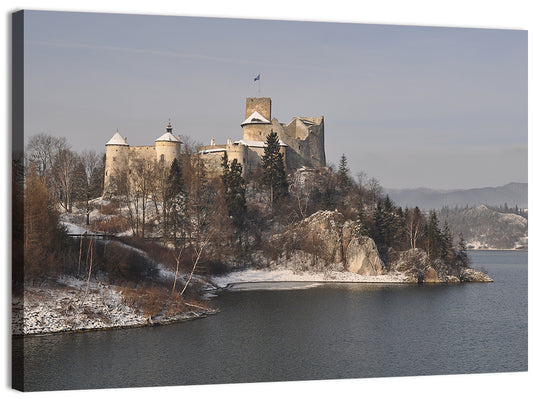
484,227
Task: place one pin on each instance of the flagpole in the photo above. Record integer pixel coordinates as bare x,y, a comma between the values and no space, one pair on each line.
258,78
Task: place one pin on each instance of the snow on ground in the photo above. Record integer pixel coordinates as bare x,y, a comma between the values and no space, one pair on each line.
286,275
75,229
296,269
68,308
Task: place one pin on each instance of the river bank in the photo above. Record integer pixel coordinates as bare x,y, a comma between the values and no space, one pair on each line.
66,306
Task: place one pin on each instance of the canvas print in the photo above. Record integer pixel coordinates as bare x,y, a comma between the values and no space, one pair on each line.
212,201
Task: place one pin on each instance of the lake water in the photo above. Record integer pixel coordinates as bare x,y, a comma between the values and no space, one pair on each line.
303,332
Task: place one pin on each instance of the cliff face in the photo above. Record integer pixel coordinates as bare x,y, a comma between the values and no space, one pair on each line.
333,242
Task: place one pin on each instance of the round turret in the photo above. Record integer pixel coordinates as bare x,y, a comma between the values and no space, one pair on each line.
116,158
167,147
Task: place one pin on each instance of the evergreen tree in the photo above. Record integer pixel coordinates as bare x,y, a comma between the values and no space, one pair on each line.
274,176
175,198
388,226
343,174
433,236
96,181
80,185
447,251
462,261
175,179
234,191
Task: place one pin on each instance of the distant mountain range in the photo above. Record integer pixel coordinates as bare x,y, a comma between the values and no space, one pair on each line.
512,194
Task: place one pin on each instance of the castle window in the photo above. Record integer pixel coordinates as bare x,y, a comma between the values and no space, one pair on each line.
162,157
114,158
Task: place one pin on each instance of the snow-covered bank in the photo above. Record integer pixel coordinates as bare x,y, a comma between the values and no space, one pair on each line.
287,275
66,307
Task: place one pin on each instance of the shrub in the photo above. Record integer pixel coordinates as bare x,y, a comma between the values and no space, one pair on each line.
112,224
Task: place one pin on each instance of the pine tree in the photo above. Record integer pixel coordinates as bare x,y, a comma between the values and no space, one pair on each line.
343,174
447,251
433,237
175,196
462,260
175,179
234,191
274,176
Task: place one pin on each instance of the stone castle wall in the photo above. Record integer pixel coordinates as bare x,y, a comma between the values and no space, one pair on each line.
257,132
263,105
303,139
121,159
305,142
167,151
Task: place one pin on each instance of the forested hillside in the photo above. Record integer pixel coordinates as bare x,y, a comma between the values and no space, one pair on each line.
486,227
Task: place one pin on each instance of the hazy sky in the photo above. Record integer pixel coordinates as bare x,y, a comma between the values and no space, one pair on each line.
411,106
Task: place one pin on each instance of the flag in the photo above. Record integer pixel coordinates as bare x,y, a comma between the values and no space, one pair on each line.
257,77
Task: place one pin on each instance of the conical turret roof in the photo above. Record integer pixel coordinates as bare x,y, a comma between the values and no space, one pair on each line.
117,139
168,136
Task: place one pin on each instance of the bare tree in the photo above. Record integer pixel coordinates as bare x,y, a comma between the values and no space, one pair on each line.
414,225
63,174
361,181
198,256
41,151
375,190
90,162
141,186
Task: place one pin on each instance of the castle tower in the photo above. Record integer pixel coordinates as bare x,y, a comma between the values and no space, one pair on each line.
116,159
167,147
257,124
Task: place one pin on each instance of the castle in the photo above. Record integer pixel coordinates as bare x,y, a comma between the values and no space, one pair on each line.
301,143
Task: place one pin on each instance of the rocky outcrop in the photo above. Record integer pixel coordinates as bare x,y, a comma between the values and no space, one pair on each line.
361,257
416,265
474,276
328,236
326,242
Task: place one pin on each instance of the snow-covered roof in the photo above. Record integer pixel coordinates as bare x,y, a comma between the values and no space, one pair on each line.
168,137
256,117
213,150
117,140
253,143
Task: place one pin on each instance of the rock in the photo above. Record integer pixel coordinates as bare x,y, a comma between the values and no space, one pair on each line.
431,276
362,257
328,236
475,276
413,263
452,279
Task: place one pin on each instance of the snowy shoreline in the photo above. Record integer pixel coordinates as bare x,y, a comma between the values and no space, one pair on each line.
286,275
68,308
